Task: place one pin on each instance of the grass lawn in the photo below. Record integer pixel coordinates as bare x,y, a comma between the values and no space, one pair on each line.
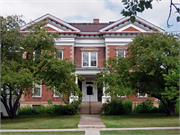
46,133
142,132
140,120
40,122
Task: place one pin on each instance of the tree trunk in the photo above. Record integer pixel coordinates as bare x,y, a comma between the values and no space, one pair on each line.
171,109
11,111
170,112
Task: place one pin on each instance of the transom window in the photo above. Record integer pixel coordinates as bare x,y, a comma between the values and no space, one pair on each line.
121,53
89,59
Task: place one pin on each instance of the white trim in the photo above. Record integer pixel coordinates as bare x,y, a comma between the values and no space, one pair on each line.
89,45
40,91
53,27
137,18
54,94
130,25
54,18
89,60
62,53
121,50
142,96
121,96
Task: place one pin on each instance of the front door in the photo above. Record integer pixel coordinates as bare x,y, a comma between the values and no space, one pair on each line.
89,92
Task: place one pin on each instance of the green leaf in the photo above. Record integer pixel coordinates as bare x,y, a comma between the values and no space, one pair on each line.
132,18
178,18
134,8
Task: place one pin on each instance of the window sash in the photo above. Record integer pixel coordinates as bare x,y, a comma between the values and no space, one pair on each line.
89,59
121,53
38,90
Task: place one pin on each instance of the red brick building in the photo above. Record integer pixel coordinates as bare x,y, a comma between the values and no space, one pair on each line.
89,44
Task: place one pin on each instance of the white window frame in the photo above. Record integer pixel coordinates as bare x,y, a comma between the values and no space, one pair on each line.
142,96
121,50
35,54
90,59
62,54
54,94
121,96
40,91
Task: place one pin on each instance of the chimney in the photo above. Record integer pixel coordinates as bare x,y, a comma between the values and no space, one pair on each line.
95,20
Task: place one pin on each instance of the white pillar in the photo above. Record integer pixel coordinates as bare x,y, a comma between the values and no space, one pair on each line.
105,96
73,97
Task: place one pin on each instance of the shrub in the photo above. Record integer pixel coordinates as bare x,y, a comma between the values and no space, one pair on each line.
28,111
144,107
154,110
127,103
117,107
69,109
177,108
162,108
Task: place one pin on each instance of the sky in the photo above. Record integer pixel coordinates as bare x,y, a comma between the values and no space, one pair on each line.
86,10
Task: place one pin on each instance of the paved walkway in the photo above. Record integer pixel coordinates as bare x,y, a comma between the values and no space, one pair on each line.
91,121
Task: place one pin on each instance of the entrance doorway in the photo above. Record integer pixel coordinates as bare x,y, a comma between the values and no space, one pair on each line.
89,92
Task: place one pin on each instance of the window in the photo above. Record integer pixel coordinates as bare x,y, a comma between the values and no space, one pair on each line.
121,96
89,59
37,54
142,95
56,93
37,90
121,53
60,54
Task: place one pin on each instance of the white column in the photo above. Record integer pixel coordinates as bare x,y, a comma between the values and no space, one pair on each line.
73,97
105,96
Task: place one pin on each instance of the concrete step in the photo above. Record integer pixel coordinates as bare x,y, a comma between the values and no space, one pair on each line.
96,107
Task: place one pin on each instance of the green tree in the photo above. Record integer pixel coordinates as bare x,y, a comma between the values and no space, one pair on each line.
153,59
18,74
150,66
115,77
132,7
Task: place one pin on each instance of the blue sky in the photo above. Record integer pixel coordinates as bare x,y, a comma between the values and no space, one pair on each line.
87,10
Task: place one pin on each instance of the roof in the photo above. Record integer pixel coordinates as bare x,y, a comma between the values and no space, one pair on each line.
89,27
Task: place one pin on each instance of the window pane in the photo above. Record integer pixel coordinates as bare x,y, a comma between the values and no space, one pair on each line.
60,53
37,90
37,56
93,62
93,55
121,53
93,58
85,58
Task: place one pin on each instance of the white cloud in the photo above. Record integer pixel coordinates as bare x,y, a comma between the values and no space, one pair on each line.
83,10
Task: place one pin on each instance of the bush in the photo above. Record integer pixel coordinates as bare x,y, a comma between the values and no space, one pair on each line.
69,109
127,103
154,110
144,107
28,111
117,107
177,108
162,108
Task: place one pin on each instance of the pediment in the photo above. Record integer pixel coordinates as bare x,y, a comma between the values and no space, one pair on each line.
53,24
89,49
130,28
125,25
